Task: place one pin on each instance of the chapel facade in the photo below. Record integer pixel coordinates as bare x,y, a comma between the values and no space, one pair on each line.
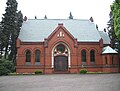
64,46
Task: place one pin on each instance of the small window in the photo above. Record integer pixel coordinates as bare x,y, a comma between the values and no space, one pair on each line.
28,56
37,56
83,55
92,56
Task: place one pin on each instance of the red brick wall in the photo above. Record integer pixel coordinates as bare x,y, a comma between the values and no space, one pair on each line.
75,53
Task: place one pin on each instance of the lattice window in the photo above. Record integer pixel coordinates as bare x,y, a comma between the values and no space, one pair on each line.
92,56
37,56
28,56
83,55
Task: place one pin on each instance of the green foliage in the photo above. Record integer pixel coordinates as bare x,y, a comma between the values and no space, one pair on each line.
83,71
115,8
6,67
11,24
111,32
37,72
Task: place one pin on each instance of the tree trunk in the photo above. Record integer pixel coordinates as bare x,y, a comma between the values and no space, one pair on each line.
6,51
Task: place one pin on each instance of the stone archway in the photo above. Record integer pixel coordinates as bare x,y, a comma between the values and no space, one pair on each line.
61,57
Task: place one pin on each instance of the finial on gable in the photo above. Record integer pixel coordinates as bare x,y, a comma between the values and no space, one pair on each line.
25,18
35,17
70,17
91,19
45,17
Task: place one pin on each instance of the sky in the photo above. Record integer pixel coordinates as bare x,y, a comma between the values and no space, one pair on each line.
60,9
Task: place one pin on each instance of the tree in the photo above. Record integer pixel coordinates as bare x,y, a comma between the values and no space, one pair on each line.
115,11
0,40
11,25
115,41
70,17
115,8
14,36
111,32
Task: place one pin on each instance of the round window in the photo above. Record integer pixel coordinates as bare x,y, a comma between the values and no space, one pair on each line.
61,48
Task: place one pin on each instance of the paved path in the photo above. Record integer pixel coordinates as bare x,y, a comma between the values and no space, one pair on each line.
61,82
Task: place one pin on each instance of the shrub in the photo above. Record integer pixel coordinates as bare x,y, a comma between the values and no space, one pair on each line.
6,67
3,71
83,71
38,72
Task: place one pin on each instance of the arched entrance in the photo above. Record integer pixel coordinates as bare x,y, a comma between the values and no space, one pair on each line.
61,57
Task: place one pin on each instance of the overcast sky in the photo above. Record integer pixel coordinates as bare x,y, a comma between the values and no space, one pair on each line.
60,9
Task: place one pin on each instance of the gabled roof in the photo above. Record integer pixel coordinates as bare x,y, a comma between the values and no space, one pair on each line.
108,50
105,37
60,26
35,30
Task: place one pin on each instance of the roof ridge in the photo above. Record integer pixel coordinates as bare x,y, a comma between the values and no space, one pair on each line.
61,19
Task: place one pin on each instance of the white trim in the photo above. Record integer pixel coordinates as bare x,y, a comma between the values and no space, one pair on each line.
69,64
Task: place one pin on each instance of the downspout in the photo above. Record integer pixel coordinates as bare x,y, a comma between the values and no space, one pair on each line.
44,59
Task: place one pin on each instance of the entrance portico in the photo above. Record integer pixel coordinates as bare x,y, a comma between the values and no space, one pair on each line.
60,57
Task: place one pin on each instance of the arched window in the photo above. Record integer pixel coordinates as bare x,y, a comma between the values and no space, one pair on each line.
92,56
83,55
28,56
112,59
106,61
37,56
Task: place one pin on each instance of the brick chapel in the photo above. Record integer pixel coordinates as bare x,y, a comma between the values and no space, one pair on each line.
64,46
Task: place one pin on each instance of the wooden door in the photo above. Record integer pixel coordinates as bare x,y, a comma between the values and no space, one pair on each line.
61,63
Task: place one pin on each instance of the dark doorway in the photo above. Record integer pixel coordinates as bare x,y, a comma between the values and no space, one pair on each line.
61,63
